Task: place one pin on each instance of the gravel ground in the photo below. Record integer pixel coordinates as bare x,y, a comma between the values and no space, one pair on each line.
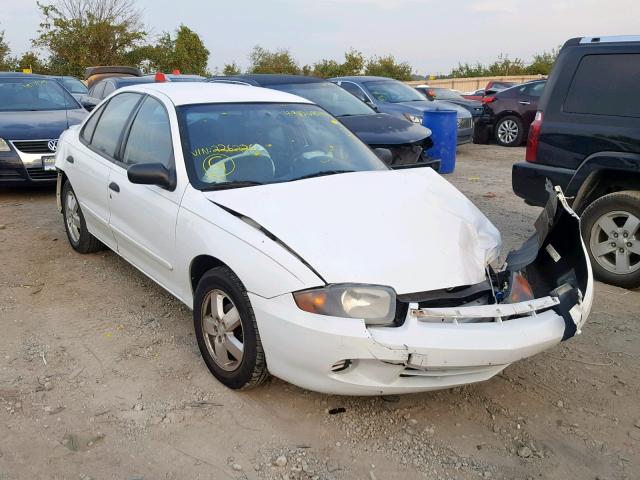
101,378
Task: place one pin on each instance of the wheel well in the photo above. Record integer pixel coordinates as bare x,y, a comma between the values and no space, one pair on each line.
507,113
201,265
603,182
63,180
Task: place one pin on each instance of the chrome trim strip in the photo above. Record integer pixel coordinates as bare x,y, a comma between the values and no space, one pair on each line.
610,39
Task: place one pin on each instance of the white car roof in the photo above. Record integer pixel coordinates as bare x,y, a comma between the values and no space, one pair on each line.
186,93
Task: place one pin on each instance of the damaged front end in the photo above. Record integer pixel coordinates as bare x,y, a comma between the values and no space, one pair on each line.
550,271
460,335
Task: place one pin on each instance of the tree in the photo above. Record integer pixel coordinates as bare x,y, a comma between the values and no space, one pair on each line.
6,61
231,69
281,61
82,33
186,52
467,70
388,67
189,53
543,62
32,61
353,65
504,66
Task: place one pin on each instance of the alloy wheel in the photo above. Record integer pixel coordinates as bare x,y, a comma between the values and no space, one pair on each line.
72,216
222,328
508,131
615,242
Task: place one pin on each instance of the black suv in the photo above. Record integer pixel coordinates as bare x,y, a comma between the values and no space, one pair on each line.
586,138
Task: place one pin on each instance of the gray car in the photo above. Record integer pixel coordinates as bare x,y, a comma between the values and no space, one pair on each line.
394,97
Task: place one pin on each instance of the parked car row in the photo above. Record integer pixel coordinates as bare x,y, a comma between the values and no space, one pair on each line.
406,141
391,96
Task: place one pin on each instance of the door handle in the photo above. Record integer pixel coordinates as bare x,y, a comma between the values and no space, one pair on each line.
70,159
114,186
524,103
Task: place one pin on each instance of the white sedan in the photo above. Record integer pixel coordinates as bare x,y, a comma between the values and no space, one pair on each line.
301,254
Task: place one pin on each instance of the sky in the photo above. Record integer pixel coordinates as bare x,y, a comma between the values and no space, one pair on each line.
432,35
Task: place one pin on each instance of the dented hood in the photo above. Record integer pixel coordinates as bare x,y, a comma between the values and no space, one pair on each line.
408,229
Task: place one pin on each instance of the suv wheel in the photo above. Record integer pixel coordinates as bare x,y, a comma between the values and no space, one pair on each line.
611,229
227,332
509,131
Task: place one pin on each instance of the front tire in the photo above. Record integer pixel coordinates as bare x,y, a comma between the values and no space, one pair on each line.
227,332
509,131
79,237
611,231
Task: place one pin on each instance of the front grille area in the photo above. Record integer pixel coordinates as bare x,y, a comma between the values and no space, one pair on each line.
10,175
32,146
404,154
41,174
465,122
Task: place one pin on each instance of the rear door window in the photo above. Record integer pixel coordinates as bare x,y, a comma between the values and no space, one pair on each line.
112,122
108,89
97,89
606,85
533,90
90,126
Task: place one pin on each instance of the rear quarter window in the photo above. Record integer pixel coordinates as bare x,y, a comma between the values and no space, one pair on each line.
606,85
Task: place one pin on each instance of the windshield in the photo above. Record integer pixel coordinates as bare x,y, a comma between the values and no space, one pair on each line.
446,94
393,91
329,96
29,94
228,145
74,85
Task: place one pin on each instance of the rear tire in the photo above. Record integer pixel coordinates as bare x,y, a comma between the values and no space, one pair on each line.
509,131
611,231
481,135
79,237
227,332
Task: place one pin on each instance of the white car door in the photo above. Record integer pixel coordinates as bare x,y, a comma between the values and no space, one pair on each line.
143,217
87,163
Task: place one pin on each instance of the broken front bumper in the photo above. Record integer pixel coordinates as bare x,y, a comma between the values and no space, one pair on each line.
435,348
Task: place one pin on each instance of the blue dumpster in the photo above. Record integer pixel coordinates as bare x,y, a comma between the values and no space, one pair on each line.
444,129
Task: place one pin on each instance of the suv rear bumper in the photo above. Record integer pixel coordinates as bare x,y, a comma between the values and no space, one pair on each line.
528,181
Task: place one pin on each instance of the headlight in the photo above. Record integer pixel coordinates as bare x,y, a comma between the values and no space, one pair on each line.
4,146
375,304
412,118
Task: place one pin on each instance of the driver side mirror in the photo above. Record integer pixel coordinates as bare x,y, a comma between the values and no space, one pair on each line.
152,174
88,103
370,103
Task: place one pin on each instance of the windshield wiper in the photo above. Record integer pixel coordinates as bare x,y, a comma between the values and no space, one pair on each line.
322,174
227,185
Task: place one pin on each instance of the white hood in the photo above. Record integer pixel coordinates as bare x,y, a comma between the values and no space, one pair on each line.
407,229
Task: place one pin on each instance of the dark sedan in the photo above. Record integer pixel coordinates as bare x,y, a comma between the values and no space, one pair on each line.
407,141
34,111
451,96
509,113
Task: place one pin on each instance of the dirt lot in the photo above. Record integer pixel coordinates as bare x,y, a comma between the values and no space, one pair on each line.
101,378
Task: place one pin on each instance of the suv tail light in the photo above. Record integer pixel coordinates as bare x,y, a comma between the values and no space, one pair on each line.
534,136
488,99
